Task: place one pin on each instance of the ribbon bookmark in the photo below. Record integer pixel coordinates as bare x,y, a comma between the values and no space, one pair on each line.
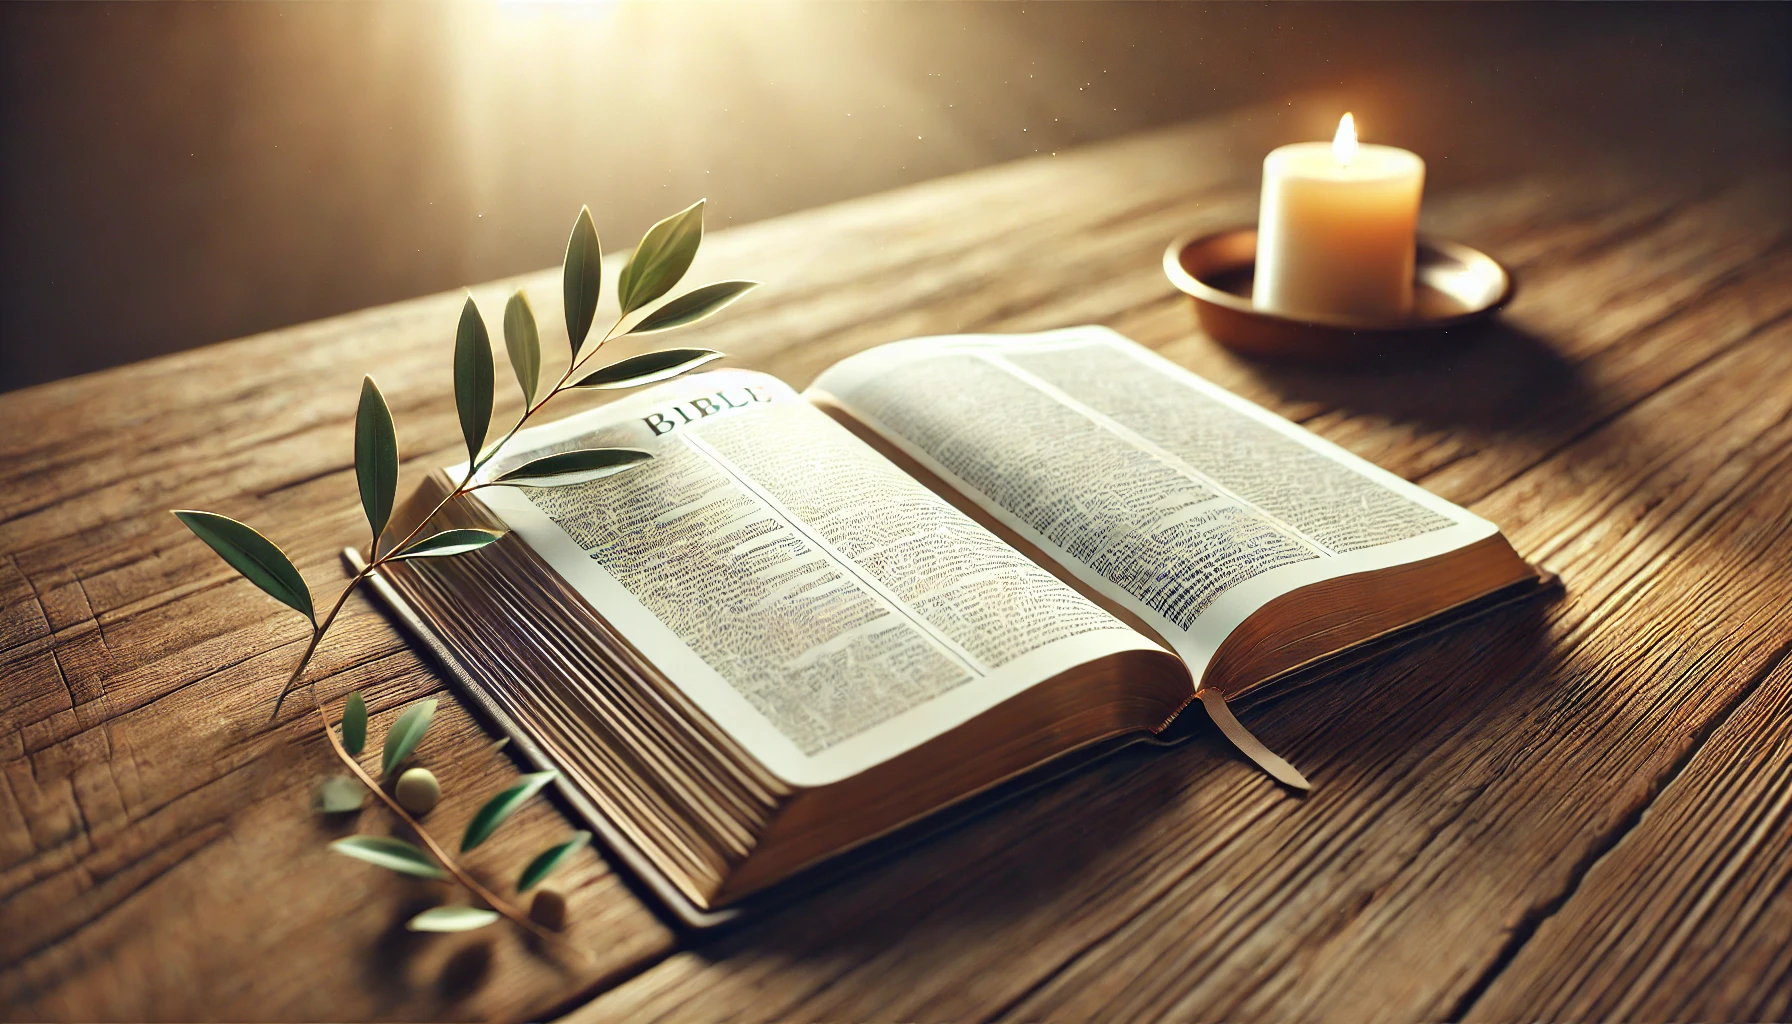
1215,703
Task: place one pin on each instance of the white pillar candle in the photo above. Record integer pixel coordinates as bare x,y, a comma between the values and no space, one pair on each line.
1335,235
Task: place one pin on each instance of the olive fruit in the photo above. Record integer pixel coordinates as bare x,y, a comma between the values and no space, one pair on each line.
417,790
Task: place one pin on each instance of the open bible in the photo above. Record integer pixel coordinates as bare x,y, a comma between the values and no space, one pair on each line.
810,620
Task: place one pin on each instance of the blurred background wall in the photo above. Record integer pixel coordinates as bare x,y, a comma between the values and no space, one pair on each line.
182,173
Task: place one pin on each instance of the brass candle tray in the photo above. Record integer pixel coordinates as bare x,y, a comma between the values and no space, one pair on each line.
1455,290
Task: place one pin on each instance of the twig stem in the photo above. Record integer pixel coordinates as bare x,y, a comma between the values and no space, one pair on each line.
375,561
441,854
317,635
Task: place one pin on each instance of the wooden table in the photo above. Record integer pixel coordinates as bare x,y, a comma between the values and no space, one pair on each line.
1576,809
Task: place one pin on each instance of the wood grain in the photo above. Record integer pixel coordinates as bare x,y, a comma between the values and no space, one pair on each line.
1573,810
1453,805
1688,917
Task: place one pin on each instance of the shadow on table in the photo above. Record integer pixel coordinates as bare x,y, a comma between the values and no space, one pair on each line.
1422,696
1500,378
1042,841
1145,822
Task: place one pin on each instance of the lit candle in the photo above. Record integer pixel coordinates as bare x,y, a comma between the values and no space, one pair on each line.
1335,235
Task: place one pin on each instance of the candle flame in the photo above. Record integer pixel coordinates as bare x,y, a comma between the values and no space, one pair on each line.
1344,143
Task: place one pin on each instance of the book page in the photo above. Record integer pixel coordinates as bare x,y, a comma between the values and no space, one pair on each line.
820,605
1179,501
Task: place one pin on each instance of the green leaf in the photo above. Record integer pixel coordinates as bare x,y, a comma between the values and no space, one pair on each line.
354,724
648,368
473,377
405,734
253,555
693,306
451,919
575,467
387,852
547,860
502,806
581,279
340,794
523,342
665,253
376,457
448,542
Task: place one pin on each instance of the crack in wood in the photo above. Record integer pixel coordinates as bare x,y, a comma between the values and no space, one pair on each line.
1534,919
324,474
206,836
245,446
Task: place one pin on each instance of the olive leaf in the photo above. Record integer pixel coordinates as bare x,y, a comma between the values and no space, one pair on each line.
405,733
256,557
581,279
661,259
473,377
354,724
693,306
523,342
648,368
448,542
340,794
376,457
388,852
502,806
575,467
451,919
547,860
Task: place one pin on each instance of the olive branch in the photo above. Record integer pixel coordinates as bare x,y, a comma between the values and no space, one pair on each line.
659,262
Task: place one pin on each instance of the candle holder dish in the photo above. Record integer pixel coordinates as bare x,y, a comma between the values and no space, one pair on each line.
1455,289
